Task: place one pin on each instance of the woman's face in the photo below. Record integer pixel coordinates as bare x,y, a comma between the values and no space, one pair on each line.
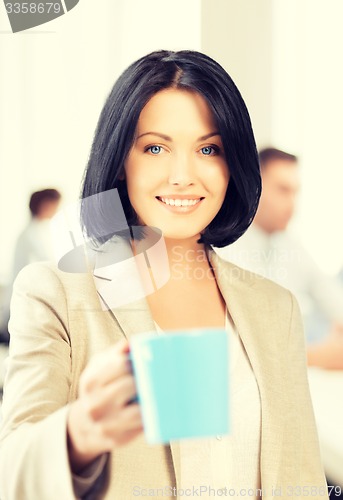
176,172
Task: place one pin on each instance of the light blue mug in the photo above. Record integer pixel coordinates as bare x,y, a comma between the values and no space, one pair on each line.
182,380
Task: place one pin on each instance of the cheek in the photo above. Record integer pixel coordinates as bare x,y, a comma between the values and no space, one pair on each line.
139,188
217,177
140,173
224,172
224,181
227,179
133,178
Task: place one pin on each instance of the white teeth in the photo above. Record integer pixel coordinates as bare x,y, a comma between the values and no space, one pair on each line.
184,203
179,203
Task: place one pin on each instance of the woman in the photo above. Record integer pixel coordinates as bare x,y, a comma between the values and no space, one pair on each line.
175,139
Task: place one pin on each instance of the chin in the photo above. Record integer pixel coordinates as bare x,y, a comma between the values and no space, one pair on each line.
180,236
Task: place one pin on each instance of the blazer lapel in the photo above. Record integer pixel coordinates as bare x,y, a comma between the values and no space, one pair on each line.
252,313
134,318
120,289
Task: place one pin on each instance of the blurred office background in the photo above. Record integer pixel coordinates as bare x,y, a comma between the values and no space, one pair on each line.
285,58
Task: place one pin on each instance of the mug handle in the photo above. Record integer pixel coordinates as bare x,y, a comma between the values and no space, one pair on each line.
135,399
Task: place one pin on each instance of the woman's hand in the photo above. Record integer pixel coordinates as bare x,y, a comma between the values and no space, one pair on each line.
101,418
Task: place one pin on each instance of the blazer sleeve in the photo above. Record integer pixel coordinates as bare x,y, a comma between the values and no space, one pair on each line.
34,461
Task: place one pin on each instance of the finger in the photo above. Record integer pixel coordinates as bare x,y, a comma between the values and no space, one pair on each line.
111,442
111,397
128,419
127,437
131,414
105,367
122,391
111,432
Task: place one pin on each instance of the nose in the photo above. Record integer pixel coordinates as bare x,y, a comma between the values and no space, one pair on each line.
181,171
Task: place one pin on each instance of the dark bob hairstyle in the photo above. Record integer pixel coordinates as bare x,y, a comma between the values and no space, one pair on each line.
114,136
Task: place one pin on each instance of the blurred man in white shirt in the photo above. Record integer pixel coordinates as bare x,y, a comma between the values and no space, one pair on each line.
267,248
33,243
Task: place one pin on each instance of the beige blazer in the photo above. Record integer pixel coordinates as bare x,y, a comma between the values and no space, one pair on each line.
57,325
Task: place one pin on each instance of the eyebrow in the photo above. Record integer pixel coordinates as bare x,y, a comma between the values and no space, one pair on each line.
167,138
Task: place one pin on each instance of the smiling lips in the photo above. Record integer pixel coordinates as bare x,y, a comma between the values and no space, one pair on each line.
181,203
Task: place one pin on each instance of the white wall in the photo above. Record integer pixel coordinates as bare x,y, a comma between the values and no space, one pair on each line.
307,116
285,57
54,80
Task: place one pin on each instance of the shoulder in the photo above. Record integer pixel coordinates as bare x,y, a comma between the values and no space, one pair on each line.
259,305
46,280
38,273
243,281
265,314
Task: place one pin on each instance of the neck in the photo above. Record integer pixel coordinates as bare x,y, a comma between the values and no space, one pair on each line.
186,257
184,246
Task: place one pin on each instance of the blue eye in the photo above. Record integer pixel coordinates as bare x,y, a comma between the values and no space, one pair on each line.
209,150
154,149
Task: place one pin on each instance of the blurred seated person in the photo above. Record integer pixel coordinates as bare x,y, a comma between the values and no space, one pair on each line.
33,243
268,248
